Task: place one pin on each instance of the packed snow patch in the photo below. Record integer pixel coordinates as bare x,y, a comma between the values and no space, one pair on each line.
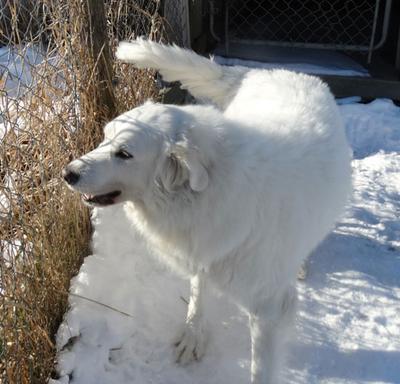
126,307
372,127
338,65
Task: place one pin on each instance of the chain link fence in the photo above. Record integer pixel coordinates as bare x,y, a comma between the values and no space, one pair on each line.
51,111
359,25
176,13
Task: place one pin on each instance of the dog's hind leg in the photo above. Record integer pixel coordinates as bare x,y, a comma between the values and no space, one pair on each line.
190,343
202,77
270,326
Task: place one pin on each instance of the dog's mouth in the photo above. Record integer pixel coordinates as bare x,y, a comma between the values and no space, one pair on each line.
101,200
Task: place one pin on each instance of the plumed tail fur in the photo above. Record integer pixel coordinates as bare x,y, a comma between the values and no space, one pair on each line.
202,77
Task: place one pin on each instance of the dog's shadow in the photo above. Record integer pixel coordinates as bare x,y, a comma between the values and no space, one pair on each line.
347,322
325,363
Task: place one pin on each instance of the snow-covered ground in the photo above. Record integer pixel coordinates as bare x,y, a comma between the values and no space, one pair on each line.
327,63
22,68
348,324
16,64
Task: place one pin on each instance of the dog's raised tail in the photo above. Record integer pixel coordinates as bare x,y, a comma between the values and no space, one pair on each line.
202,77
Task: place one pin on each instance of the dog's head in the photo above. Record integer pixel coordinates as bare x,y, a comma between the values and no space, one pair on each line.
152,146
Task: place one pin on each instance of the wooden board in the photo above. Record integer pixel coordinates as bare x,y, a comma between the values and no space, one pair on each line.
369,88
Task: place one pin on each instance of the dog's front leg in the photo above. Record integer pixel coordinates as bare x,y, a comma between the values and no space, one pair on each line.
190,344
270,327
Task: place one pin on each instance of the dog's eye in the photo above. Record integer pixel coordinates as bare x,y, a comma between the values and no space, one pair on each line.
123,154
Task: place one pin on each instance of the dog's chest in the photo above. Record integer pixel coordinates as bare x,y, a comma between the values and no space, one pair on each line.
169,244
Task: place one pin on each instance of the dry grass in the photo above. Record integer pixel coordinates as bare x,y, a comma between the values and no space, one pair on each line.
44,229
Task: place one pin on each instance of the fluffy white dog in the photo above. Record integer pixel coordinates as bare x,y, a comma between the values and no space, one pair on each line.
237,194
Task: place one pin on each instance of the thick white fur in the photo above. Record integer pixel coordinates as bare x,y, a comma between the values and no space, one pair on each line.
202,77
237,196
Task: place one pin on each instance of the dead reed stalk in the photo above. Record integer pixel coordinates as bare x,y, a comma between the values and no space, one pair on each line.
52,116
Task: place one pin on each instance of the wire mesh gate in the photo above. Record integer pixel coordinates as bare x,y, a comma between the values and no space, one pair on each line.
357,25
176,14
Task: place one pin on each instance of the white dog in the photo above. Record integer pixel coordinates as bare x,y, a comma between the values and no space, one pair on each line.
237,195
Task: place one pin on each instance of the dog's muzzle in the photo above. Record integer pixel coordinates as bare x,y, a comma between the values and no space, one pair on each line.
72,177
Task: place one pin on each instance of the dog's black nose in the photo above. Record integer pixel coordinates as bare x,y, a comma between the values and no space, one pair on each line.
71,177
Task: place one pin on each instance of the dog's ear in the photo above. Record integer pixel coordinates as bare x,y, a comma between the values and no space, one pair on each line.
173,174
183,165
198,175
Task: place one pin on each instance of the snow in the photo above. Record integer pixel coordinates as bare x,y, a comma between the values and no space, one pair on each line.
338,65
16,64
22,68
364,134
16,78
348,323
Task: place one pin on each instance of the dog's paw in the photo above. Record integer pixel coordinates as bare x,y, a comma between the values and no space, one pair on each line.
190,344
